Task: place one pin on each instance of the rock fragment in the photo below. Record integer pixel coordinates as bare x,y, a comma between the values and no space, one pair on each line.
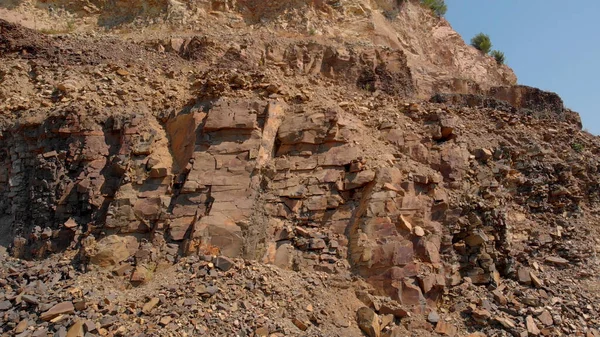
524,275
532,328
224,263
446,329
76,330
58,309
22,326
147,308
557,260
368,322
433,317
300,324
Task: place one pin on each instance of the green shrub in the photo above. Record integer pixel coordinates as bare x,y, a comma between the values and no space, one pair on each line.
482,42
498,55
438,7
578,147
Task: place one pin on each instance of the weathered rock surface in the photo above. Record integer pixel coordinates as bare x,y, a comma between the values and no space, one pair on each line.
253,178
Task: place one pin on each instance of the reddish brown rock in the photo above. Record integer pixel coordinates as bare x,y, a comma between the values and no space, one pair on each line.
404,224
21,327
113,249
557,260
147,308
536,280
546,318
368,321
300,324
524,275
391,308
76,330
58,309
359,179
446,329
140,275
411,294
532,328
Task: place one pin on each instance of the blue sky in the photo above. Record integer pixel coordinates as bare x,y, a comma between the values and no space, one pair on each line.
550,44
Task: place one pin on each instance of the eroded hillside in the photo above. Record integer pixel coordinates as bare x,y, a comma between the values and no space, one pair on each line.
309,168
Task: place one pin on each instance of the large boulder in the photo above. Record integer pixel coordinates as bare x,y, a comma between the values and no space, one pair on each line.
112,250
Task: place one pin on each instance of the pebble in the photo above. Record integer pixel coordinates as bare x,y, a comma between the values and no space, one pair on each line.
433,317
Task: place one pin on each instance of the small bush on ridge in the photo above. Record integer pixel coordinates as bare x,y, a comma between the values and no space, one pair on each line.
438,7
482,42
499,56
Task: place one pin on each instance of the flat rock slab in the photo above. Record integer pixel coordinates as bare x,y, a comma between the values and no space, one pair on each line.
150,305
59,309
557,260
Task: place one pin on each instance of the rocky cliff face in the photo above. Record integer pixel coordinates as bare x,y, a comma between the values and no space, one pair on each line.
289,134
438,57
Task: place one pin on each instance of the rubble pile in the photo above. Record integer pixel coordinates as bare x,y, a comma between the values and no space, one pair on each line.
261,180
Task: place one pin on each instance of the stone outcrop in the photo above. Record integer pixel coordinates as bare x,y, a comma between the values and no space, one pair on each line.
519,99
236,173
535,102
